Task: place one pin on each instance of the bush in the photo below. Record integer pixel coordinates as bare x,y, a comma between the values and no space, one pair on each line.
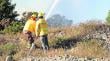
9,46
59,42
14,27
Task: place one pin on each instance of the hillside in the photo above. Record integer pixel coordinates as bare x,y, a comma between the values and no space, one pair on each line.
89,41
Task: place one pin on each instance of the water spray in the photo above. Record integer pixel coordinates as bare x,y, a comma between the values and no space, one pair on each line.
52,7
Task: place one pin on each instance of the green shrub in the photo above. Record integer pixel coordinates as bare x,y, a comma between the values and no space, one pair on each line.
14,27
9,46
58,42
108,17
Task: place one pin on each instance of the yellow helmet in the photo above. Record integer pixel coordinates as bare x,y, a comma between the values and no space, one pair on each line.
34,14
40,14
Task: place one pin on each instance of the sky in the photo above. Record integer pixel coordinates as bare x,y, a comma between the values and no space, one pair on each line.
76,10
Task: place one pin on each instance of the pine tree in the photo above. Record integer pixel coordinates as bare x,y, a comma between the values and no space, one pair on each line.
7,9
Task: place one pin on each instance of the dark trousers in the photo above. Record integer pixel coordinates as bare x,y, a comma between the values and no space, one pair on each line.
44,41
29,37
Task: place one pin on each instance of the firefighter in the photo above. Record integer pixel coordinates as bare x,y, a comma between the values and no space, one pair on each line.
42,31
29,29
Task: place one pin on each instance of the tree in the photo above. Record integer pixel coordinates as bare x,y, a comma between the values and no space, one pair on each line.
25,16
59,21
7,13
7,9
108,17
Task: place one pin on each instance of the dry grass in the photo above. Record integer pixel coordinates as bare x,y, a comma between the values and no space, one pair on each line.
82,49
90,48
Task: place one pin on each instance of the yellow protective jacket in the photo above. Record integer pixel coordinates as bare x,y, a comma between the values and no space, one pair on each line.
30,26
41,27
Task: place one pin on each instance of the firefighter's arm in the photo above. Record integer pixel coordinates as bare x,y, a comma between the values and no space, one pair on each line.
26,27
37,29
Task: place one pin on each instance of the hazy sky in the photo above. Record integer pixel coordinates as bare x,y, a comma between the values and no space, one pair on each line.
77,10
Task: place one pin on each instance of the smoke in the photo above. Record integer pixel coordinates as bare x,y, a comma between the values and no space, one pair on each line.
52,7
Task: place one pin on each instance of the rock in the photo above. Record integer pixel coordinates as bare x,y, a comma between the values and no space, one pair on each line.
102,34
62,58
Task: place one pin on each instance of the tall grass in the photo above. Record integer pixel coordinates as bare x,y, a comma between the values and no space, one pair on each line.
89,48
